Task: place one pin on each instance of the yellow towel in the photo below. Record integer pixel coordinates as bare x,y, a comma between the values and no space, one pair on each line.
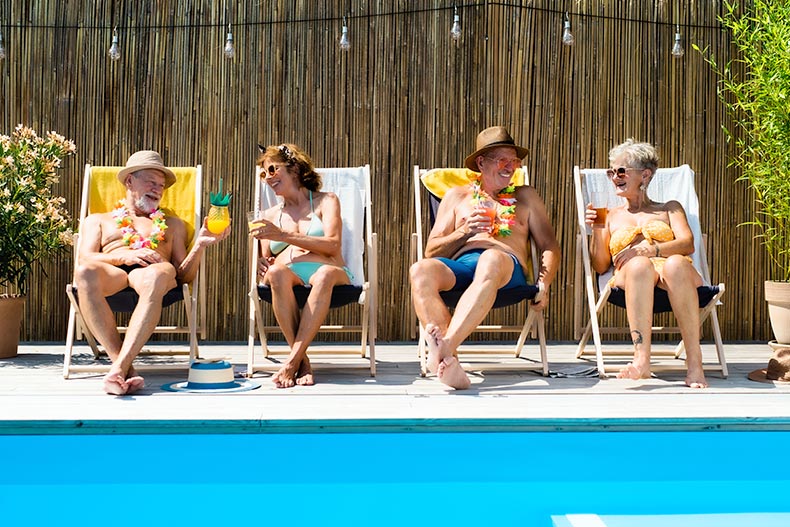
439,180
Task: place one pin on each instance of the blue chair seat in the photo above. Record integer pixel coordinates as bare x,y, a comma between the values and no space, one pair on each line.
341,294
661,298
125,301
504,297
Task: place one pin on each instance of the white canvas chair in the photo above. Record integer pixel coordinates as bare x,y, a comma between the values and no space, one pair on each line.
360,252
667,184
478,357
100,193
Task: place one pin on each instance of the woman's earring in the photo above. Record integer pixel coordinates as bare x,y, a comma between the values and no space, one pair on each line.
642,187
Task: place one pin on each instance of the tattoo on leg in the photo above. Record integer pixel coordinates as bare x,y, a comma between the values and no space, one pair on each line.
636,336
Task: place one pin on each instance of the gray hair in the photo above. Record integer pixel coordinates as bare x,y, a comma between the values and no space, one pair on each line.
637,155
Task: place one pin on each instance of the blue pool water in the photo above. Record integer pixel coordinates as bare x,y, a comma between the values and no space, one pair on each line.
503,478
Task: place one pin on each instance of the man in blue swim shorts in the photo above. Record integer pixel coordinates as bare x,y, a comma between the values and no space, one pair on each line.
479,244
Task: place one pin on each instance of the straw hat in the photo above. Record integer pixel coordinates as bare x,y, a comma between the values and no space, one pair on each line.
492,138
146,159
211,376
778,370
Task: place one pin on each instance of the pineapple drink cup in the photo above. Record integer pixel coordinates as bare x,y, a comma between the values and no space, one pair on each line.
218,215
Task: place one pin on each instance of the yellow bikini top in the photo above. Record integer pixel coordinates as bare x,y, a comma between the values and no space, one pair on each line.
653,231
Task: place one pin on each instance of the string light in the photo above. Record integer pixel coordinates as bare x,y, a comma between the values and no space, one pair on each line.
115,51
455,32
677,49
2,47
567,36
229,50
345,43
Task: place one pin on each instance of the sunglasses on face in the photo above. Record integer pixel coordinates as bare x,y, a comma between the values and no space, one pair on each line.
272,169
506,162
619,171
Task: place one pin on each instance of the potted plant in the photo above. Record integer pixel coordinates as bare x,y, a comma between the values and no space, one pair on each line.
33,223
755,89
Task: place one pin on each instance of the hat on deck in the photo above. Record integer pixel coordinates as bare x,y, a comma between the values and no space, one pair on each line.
778,370
211,376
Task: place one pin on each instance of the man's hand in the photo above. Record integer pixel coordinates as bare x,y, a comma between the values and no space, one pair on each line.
206,237
141,257
541,300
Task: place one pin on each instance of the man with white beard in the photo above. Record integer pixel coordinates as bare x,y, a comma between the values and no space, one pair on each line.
136,246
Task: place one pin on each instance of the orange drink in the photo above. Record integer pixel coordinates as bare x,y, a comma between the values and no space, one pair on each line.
218,219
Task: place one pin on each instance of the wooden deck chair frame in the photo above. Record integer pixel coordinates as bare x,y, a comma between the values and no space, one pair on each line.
477,358
360,251
188,188
678,184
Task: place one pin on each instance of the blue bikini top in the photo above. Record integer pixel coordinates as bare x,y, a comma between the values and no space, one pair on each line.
316,228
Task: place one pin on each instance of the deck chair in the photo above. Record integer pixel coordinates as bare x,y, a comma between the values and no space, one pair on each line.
360,252
475,358
100,193
667,184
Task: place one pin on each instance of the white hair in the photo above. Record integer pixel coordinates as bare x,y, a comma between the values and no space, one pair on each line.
638,155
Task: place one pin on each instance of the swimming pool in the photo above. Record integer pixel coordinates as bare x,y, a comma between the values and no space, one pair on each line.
502,478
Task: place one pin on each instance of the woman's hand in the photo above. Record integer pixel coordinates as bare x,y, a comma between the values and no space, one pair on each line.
590,215
263,266
643,248
266,230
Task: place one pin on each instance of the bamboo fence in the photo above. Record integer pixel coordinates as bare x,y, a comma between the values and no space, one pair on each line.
405,94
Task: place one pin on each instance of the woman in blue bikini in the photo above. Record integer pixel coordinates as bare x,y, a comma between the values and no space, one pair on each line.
301,243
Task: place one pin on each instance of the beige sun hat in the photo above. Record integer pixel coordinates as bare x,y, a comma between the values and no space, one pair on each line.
146,159
490,138
778,370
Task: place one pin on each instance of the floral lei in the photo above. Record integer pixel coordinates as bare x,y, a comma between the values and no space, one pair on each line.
130,235
506,214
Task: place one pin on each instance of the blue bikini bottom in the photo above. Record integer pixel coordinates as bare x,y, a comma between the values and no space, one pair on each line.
305,270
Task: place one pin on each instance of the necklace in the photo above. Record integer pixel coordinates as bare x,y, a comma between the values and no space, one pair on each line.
506,214
131,237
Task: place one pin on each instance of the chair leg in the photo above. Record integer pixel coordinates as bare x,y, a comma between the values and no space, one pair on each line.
421,351
714,319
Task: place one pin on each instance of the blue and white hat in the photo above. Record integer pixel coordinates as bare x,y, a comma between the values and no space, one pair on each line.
211,376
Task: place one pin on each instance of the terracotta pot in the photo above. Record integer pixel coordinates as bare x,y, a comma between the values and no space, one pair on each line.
11,310
777,294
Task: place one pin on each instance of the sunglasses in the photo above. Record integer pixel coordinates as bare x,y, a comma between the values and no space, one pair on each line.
506,162
272,169
620,171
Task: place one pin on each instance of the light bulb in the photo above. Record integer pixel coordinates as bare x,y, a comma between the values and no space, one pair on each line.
229,50
345,43
115,51
567,36
455,32
2,48
677,49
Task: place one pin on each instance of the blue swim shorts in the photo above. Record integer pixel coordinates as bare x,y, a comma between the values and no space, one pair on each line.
464,267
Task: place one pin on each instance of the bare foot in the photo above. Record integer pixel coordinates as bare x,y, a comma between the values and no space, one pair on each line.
135,384
304,377
452,374
434,337
115,384
634,371
696,379
286,377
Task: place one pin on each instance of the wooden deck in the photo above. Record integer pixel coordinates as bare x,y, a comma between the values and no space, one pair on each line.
34,398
